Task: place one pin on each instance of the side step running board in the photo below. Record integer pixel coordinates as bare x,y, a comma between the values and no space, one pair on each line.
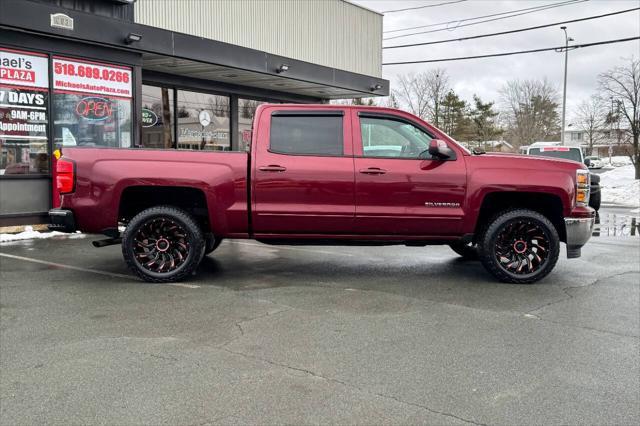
107,242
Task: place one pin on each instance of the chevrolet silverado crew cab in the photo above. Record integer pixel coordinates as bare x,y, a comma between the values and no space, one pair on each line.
325,174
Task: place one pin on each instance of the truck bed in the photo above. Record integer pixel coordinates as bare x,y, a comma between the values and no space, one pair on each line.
103,174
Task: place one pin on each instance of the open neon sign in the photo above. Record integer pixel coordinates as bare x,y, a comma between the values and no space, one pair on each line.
94,108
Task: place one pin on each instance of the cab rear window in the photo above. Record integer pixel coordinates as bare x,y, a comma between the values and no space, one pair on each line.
306,135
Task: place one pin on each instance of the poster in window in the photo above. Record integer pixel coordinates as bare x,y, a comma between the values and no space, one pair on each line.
91,77
25,69
24,91
92,103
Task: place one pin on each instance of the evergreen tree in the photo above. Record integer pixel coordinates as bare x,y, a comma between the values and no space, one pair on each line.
454,116
484,118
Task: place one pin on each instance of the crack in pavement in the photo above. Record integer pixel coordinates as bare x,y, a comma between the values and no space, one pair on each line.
166,358
588,328
349,385
238,324
570,296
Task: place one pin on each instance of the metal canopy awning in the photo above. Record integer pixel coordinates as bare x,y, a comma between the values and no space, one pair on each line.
276,83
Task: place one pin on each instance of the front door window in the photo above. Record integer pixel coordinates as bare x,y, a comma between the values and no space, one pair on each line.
388,138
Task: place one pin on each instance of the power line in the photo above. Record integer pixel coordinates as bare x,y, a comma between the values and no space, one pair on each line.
512,14
511,31
478,17
422,7
560,48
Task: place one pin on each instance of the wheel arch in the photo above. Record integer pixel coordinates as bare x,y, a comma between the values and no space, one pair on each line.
549,205
136,198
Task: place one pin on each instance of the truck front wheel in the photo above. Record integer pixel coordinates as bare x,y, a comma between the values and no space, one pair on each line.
163,244
519,246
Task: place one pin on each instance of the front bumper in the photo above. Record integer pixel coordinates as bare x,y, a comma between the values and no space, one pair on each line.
62,220
579,230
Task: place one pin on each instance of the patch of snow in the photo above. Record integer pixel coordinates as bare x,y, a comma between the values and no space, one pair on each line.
619,186
616,161
30,234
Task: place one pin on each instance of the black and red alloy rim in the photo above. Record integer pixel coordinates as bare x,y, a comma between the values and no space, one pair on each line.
522,247
161,246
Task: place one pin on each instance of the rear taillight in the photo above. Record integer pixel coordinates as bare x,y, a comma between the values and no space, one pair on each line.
65,176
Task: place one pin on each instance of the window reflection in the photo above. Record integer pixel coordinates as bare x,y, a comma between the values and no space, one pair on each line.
246,113
203,121
91,120
157,117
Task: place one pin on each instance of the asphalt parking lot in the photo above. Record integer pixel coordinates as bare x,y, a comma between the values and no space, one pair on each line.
317,335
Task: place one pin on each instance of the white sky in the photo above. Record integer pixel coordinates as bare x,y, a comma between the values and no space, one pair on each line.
485,76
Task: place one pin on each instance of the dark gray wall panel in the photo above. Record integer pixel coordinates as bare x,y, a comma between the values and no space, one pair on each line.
24,195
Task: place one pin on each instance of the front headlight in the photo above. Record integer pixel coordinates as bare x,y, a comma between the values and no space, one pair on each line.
583,183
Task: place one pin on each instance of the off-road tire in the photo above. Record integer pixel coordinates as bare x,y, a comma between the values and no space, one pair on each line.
467,251
193,240
497,225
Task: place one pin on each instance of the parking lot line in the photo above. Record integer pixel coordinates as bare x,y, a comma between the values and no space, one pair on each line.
94,271
61,265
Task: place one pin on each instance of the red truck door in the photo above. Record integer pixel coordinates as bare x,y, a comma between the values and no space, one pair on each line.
400,189
302,177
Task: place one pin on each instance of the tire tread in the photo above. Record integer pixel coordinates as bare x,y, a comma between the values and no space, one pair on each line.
486,254
192,226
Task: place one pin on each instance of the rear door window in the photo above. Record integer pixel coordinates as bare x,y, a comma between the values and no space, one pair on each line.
307,134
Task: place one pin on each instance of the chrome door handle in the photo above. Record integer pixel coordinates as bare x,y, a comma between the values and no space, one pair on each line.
373,171
272,168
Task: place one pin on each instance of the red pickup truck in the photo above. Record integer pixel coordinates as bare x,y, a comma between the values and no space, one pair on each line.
325,174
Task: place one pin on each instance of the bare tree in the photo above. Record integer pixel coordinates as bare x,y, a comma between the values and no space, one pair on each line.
392,102
590,118
438,90
412,94
530,111
623,85
422,94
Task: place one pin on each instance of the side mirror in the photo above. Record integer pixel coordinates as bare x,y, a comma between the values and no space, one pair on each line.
587,162
440,150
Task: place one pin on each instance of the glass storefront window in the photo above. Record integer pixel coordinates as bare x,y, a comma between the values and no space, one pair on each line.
203,121
157,118
246,113
24,112
91,120
23,132
91,103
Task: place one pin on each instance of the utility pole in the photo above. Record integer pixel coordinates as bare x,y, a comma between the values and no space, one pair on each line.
611,133
567,39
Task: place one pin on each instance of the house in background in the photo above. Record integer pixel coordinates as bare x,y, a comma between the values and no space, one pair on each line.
603,139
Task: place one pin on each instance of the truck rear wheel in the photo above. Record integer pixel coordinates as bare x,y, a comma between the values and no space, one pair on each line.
519,246
163,244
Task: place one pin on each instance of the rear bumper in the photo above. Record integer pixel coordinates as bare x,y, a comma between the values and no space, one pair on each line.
62,220
579,230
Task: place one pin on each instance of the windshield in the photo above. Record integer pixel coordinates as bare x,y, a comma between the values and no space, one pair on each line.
557,152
